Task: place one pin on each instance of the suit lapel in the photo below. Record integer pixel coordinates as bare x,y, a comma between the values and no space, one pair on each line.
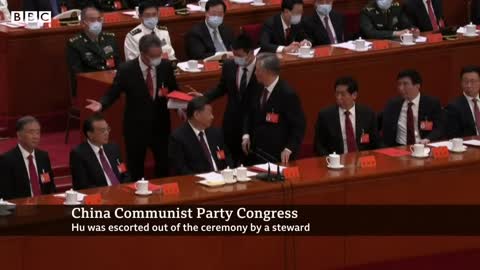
278,27
212,143
92,157
137,72
468,112
321,27
337,128
421,112
195,143
25,184
359,124
113,159
208,38
338,29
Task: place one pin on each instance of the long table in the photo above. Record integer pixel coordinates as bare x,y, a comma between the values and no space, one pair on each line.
395,181
33,69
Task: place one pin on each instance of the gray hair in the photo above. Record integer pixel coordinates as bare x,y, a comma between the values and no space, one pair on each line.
270,62
23,121
83,13
149,41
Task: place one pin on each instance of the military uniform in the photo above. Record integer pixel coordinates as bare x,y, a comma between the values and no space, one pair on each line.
133,38
376,23
85,55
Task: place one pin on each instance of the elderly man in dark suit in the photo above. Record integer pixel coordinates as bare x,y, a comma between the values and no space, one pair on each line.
347,126
325,26
26,170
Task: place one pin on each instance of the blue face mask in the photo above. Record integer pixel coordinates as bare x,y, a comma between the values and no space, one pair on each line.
215,21
95,28
296,19
324,9
155,62
150,23
240,61
384,4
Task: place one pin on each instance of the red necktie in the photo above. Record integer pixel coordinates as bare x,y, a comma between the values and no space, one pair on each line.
203,143
288,35
264,98
107,169
351,143
150,82
431,14
410,125
477,114
36,190
329,30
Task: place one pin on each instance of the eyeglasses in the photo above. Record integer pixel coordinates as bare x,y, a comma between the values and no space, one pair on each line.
104,130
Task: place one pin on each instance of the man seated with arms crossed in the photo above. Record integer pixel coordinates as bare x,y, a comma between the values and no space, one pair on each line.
96,162
346,127
196,147
26,170
284,32
412,117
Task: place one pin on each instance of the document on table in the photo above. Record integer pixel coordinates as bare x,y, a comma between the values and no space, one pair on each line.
472,143
349,45
212,176
440,144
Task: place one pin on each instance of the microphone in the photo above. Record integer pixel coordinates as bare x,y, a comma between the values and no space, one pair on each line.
269,177
279,175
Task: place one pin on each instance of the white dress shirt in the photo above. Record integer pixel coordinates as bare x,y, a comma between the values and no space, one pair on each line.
341,113
285,26
212,36
132,40
426,6
402,121
4,10
196,131
472,109
250,69
25,155
96,150
144,69
322,18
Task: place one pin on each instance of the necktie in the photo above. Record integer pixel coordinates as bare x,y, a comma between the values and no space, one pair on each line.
288,35
243,81
351,143
329,30
203,143
431,14
263,101
477,114
107,169
54,6
217,43
410,125
150,82
36,190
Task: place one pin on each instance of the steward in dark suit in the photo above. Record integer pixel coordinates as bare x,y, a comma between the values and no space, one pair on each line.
325,26
96,162
464,112
418,11
26,170
145,81
211,36
196,147
412,117
275,122
334,132
284,32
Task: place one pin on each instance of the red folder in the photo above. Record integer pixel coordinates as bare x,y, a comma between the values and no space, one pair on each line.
180,96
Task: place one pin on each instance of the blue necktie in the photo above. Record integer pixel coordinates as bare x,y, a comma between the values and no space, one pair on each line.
54,5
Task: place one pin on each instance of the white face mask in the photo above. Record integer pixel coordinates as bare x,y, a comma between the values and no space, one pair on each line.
150,23
296,19
95,28
155,62
215,21
384,4
324,9
240,61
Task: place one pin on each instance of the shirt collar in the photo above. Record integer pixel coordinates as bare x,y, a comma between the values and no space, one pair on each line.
469,98
145,29
415,101
352,110
251,65
272,86
25,153
143,67
196,131
210,29
285,26
94,147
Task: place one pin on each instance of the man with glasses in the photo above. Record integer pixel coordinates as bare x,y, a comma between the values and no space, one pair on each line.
96,162
93,49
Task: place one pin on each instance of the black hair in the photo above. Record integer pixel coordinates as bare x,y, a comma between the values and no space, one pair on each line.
148,41
470,69
213,3
195,105
145,5
88,123
289,4
412,74
243,42
349,82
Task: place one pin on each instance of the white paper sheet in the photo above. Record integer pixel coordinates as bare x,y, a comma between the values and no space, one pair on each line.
421,39
184,66
132,13
217,56
242,1
349,45
173,104
12,24
193,8
440,144
472,143
212,176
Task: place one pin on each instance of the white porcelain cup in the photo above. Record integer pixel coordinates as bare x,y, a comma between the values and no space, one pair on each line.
241,172
142,186
202,3
471,29
457,144
333,160
304,50
360,44
192,64
418,149
258,1
407,38
228,175
71,197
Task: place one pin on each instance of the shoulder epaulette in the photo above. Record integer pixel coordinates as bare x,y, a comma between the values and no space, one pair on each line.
135,31
109,34
75,38
396,4
162,27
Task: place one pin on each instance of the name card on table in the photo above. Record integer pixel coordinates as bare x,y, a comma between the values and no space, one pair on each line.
275,2
367,162
170,189
440,152
94,199
291,173
434,38
381,44
167,11
322,51
211,65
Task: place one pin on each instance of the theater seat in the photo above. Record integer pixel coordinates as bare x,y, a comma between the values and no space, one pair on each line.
253,32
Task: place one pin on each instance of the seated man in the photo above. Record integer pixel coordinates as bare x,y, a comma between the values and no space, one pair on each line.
196,147
426,15
412,117
26,170
211,36
325,26
96,162
382,19
93,49
55,6
148,12
284,32
4,13
463,112
346,127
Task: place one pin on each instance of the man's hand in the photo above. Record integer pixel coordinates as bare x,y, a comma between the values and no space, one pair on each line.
425,141
246,145
93,105
286,155
400,33
292,47
182,115
415,32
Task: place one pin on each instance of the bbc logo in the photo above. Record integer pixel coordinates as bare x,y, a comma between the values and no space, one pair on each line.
31,16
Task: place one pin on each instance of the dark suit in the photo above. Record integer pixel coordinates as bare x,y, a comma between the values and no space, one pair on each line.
418,15
273,34
14,182
317,33
146,122
273,138
45,5
475,12
187,156
460,121
328,131
237,106
199,43
429,109
87,171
